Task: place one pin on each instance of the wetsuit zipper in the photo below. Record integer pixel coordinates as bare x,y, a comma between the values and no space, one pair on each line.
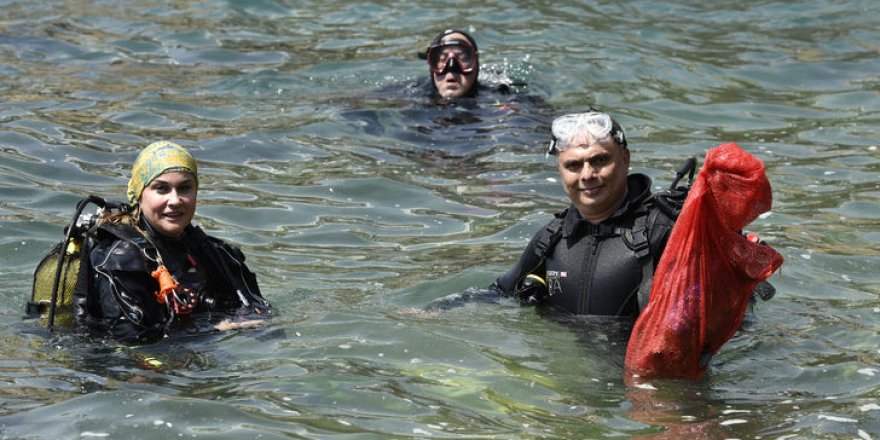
587,291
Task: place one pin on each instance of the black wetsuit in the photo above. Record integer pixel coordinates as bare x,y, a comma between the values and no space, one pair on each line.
425,126
596,269
117,297
483,91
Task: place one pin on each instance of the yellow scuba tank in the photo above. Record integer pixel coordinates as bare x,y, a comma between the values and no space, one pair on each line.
56,277
44,282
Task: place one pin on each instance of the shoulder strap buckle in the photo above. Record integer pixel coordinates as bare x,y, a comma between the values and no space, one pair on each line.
636,238
637,241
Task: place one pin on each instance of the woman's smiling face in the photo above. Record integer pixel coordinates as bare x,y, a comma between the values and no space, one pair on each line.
168,203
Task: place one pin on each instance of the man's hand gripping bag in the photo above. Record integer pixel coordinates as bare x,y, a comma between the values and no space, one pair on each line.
705,277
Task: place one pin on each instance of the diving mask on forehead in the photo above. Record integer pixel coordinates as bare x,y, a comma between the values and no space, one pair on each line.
452,55
565,129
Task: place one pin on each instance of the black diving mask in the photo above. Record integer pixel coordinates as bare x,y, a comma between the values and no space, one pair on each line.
455,56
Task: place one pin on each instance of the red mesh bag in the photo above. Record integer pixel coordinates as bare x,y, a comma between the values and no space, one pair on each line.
705,278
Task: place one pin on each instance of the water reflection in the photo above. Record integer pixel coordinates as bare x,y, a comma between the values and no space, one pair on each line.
353,205
681,413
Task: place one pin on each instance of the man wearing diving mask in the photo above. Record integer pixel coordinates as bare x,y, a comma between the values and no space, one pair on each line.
455,109
454,64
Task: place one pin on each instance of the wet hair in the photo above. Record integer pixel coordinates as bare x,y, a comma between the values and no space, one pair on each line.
125,218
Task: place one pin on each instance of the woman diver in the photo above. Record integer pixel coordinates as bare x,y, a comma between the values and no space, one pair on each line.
150,269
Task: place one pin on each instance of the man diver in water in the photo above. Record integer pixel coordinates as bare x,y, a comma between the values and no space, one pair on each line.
453,61
454,68
459,108
595,256
598,256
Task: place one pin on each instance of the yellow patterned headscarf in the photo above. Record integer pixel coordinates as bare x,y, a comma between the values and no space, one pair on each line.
157,158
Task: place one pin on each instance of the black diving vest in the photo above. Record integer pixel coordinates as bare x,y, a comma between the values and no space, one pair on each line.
230,284
602,270
615,268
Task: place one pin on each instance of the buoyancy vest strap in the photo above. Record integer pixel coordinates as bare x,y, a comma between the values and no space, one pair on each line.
136,238
602,230
544,245
550,236
553,232
643,252
635,238
128,234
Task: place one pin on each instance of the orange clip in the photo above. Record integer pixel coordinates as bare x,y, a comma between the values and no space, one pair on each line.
166,283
